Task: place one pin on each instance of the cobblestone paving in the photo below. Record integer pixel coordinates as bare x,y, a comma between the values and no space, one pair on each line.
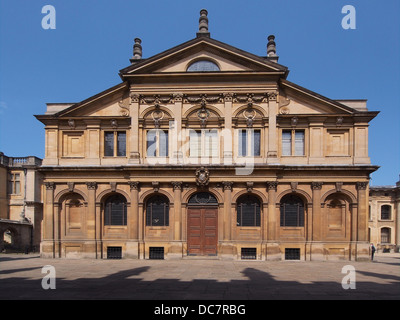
21,278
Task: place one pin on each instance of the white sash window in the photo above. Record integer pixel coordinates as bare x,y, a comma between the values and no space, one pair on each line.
203,143
293,142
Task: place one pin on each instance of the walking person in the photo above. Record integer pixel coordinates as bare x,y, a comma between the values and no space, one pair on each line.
373,249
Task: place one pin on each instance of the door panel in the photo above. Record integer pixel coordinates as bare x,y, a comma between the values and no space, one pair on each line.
202,231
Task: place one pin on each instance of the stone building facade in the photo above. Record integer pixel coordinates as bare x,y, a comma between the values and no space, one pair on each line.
384,217
206,150
20,203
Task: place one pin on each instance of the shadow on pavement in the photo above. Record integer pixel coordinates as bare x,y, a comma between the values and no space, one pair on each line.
259,285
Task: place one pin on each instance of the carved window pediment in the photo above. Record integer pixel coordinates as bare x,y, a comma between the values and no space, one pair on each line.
157,117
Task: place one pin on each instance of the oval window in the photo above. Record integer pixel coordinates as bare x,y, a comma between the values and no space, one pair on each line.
203,65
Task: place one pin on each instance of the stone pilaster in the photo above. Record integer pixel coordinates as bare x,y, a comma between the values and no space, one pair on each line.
177,226
47,245
362,222
132,245
176,130
227,132
134,156
315,223
91,227
272,154
315,233
133,214
175,250
272,249
227,185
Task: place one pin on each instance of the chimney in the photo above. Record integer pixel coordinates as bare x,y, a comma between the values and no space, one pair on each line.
137,50
271,49
203,24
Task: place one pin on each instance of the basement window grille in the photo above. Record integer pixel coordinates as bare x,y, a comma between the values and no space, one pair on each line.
156,253
114,252
292,254
249,253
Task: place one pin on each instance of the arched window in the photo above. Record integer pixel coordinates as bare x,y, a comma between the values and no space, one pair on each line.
115,211
157,211
203,65
248,211
202,199
385,235
386,211
292,211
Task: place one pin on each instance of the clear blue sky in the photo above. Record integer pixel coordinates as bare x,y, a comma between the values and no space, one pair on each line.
93,40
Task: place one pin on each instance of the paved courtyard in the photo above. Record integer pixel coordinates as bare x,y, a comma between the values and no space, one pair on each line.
21,278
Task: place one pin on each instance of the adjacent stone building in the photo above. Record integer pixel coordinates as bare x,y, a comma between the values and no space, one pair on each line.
384,217
206,150
20,203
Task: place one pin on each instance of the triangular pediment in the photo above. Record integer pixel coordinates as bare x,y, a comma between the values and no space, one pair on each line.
113,102
298,100
228,59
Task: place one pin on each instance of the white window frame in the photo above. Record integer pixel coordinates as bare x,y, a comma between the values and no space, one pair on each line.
250,142
205,148
294,142
157,150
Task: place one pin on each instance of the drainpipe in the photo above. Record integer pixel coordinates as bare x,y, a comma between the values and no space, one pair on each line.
22,214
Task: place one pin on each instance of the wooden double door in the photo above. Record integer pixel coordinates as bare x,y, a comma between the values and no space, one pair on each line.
202,230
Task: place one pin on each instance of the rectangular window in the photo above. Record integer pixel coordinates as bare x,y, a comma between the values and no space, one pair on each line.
114,252
210,143
249,142
286,143
292,254
156,253
194,143
163,143
115,144
249,253
255,143
14,183
109,144
157,143
203,143
242,143
151,143
299,143
386,212
293,142
385,235
121,144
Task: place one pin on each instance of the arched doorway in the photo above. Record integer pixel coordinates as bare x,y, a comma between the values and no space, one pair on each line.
202,224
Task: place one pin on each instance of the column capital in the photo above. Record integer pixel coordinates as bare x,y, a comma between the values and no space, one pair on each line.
316,185
227,185
177,185
362,185
272,185
91,185
134,185
50,185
